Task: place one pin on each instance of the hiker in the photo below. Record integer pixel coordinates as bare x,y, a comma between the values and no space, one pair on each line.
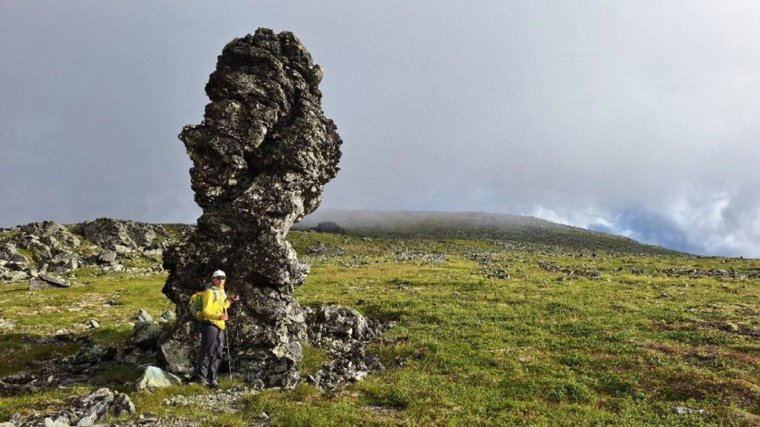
213,317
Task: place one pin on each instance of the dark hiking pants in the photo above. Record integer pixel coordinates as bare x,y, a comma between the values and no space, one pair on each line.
212,352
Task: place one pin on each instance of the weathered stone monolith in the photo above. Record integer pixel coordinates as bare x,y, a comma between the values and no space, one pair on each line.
261,157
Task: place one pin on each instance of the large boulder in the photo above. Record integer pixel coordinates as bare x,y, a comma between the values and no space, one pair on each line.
261,158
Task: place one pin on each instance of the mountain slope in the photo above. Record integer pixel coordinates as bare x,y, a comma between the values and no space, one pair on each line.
523,229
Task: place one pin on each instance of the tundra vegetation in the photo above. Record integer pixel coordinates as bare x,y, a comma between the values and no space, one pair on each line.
487,332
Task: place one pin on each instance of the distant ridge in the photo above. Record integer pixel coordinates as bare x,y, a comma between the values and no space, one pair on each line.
516,228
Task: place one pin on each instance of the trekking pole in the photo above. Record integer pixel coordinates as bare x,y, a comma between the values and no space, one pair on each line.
227,338
229,357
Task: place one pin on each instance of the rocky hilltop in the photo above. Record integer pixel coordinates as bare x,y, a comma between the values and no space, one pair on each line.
28,251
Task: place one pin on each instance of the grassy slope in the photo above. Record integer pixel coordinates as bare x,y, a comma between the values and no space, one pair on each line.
541,348
476,225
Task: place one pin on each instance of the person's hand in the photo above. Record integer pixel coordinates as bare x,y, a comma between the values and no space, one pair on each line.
225,316
234,298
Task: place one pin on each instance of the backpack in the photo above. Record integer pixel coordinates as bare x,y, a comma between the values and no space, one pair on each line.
196,304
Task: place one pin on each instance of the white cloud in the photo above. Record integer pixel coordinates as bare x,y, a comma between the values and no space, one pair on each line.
699,224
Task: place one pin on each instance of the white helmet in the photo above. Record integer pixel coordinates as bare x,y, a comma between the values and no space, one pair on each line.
218,273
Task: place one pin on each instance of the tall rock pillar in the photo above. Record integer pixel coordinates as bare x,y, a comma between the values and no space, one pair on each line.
261,157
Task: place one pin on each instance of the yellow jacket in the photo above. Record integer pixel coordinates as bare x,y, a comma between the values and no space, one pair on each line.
214,306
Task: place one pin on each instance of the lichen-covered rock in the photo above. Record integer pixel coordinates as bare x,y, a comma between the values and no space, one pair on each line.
60,249
344,333
24,247
178,349
83,411
336,322
145,335
261,158
107,257
154,377
124,236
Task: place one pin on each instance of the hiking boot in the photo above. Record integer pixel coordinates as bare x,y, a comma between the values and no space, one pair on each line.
213,385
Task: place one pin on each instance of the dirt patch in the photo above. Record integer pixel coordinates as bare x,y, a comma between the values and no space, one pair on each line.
704,353
728,327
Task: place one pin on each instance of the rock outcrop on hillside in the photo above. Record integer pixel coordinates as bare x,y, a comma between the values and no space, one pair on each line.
261,158
329,227
29,250
127,236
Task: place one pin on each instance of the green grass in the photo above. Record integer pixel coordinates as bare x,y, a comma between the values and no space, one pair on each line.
28,254
542,348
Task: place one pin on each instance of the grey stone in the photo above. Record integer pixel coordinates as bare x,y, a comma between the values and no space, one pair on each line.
46,281
177,356
107,257
58,422
7,324
17,266
84,411
682,410
150,421
144,316
153,252
64,261
55,281
122,405
261,157
145,335
14,276
154,377
167,317
122,250
89,420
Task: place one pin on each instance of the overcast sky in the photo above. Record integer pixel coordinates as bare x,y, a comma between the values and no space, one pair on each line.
639,118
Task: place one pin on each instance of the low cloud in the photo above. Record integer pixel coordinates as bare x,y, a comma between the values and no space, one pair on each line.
717,224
